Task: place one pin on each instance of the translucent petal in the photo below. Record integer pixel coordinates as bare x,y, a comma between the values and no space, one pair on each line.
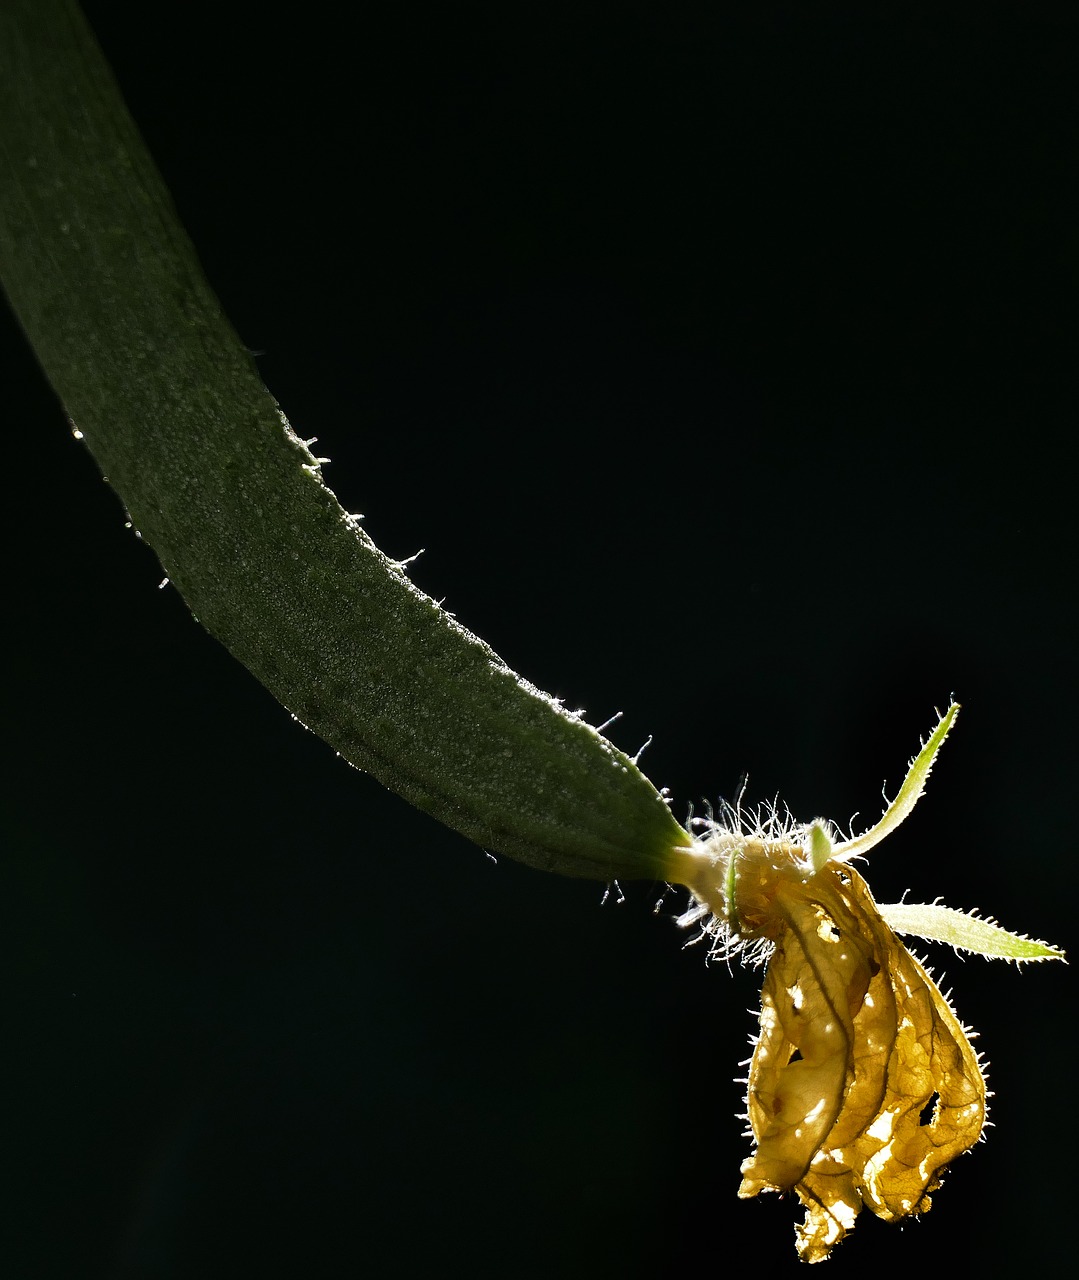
863,1086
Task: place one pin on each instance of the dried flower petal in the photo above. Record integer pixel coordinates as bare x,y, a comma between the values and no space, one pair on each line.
863,1086
856,1044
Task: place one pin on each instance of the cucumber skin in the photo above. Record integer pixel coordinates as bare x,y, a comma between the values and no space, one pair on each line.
111,295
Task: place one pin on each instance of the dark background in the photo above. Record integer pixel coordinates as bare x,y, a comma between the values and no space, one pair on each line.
722,358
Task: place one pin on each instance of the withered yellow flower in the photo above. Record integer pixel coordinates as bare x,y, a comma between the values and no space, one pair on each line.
856,1044
863,1086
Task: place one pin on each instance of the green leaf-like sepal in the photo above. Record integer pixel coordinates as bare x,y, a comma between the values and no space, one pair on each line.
937,923
909,793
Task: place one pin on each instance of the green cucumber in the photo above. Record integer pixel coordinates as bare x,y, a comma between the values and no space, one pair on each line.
111,295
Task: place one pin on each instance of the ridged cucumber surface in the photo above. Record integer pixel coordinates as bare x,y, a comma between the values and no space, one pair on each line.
111,295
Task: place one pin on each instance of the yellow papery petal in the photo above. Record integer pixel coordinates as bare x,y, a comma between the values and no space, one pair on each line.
856,1042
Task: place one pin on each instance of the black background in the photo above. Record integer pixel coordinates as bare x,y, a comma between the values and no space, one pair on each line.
722,359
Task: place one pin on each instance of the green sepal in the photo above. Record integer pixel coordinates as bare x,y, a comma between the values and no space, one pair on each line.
908,796
936,923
